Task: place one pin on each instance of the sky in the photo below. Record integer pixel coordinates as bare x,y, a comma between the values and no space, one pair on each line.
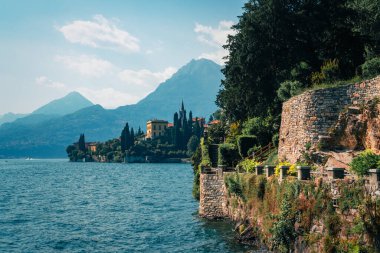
114,52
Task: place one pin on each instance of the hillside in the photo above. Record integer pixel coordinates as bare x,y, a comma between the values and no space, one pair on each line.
196,84
10,117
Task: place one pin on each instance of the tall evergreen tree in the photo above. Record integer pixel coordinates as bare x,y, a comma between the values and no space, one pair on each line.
82,143
132,137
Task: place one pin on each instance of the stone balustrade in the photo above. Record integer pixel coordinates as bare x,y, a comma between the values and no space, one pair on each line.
269,170
335,173
259,170
303,172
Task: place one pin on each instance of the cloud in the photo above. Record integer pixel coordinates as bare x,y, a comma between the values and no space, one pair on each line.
100,33
108,97
146,78
215,38
86,65
46,82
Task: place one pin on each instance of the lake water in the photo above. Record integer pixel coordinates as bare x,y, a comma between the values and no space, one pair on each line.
57,206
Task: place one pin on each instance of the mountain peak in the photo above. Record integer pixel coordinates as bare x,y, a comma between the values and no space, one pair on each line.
70,103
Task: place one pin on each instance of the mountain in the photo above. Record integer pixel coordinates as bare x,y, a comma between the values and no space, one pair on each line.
70,103
196,83
10,117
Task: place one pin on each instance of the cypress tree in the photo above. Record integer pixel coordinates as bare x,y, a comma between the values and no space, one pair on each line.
82,143
132,137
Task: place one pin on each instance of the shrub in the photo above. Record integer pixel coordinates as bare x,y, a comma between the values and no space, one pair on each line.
245,142
206,162
371,68
329,73
234,185
288,89
260,127
364,162
292,168
228,155
248,165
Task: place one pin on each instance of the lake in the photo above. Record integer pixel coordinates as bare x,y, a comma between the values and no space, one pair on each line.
58,206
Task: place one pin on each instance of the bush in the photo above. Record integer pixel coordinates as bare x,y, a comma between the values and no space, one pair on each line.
288,89
235,185
371,68
206,162
292,168
329,73
364,162
260,127
248,165
228,155
245,142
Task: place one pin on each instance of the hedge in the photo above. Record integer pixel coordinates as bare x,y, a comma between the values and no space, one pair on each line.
228,155
246,142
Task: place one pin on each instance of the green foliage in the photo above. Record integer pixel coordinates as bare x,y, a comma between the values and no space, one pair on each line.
217,132
277,41
248,165
196,161
192,144
82,143
328,74
205,161
365,161
283,230
371,68
290,209
245,142
235,185
228,155
288,89
260,127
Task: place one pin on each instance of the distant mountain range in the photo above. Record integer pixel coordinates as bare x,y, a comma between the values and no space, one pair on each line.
47,135
10,117
70,103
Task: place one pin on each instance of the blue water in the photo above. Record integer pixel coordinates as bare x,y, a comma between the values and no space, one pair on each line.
57,206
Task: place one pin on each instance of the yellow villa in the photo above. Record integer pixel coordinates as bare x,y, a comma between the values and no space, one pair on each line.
155,128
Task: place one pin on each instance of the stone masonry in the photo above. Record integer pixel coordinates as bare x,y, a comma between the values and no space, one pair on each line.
308,117
212,195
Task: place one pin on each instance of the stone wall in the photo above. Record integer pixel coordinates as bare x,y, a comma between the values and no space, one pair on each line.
212,202
308,117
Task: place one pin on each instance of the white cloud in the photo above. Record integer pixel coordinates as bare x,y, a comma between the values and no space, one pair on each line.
100,33
216,38
46,82
108,97
86,65
146,78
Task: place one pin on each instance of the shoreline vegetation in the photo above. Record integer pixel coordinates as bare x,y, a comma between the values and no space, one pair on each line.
164,142
281,49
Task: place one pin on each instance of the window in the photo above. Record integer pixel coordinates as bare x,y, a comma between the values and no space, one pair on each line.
159,127
154,127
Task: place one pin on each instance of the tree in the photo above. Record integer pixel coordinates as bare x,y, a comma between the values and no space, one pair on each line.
272,38
211,118
82,143
192,144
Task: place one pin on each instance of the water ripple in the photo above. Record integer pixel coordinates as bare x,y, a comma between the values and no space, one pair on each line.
57,206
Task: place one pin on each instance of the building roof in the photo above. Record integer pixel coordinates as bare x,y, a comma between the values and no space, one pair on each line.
170,124
157,121
214,122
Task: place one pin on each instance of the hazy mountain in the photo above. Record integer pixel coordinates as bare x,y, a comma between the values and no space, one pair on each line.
70,103
10,117
197,84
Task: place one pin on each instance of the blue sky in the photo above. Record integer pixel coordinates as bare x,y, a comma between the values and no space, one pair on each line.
113,52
